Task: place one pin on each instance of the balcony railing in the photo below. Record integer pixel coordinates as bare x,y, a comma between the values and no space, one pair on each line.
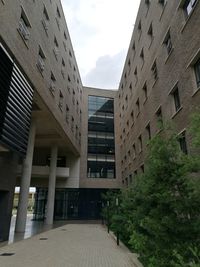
40,64
23,30
45,24
52,87
43,171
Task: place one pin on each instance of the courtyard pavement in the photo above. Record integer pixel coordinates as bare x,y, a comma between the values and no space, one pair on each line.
71,245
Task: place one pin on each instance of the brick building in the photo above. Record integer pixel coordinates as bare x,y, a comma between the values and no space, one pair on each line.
160,80
71,142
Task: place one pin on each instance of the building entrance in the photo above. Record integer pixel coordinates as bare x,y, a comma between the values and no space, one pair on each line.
70,204
4,198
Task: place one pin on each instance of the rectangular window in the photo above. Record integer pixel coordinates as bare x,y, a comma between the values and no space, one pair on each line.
73,98
65,45
41,60
142,168
138,106
142,56
56,49
65,35
132,117
145,92
159,118
76,133
197,72
189,6
125,76
150,34
52,86
139,29
168,43
133,46
24,26
148,130
79,138
140,143
130,179
129,66
63,68
45,20
162,2
176,97
60,104
139,26
182,142
72,124
154,71
80,116
136,77
77,107
58,16
67,114
126,182
134,151
58,13
131,88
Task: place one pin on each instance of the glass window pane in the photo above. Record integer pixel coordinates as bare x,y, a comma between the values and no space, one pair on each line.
101,147
197,72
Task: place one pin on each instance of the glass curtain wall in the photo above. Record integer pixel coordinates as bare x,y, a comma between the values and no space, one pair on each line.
101,142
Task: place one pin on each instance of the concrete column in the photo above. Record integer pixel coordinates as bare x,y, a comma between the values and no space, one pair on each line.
52,185
25,182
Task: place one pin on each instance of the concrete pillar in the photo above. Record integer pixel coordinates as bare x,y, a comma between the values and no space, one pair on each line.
25,182
52,185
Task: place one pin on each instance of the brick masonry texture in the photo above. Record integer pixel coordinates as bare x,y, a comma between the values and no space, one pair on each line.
173,69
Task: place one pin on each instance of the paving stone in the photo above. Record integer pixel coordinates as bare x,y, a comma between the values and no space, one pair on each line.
80,245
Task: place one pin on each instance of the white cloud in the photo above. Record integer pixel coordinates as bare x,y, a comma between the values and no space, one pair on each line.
106,73
98,28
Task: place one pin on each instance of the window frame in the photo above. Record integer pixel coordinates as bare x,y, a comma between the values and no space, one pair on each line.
197,72
185,5
183,145
168,43
176,98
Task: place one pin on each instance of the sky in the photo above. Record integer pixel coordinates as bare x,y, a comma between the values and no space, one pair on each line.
100,31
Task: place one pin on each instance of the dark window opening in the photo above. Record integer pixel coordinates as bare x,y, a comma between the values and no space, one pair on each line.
177,102
168,43
189,6
183,143
197,72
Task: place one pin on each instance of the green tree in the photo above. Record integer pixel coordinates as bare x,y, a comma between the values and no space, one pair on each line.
159,216
166,218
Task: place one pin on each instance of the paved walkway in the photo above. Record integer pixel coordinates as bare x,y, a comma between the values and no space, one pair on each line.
72,245
32,228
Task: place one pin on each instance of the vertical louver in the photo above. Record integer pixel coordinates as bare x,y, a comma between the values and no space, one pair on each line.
16,96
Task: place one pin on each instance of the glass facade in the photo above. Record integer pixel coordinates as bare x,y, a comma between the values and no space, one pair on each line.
70,204
101,141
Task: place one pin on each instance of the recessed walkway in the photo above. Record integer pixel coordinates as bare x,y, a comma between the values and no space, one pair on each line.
32,228
71,245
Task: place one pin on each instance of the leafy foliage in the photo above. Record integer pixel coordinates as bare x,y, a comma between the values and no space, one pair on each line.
159,216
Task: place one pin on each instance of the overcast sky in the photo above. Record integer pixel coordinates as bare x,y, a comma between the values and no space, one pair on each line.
100,31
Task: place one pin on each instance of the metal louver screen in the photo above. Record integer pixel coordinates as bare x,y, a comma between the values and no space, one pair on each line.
16,96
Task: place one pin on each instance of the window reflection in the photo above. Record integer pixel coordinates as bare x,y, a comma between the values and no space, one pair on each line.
101,146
